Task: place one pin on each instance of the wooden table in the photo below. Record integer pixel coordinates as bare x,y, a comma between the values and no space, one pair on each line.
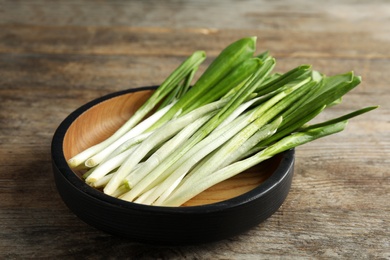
56,56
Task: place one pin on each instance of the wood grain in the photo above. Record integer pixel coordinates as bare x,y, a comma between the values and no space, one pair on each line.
56,56
101,121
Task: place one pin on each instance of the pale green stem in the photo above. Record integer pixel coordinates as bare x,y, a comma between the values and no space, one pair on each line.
102,181
132,133
162,170
194,155
237,112
232,150
104,168
165,88
120,190
142,198
165,132
165,150
286,143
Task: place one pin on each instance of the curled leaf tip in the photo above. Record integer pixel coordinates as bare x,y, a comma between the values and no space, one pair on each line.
305,66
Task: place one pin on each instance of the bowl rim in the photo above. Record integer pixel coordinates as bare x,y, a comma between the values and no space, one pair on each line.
58,158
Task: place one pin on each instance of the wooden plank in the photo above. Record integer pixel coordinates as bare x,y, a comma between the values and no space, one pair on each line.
157,41
54,57
302,15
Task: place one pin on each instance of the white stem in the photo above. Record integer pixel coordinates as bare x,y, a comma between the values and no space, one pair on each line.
102,181
164,133
109,165
198,152
237,112
140,199
227,172
89,152
165,150
231,150
137,130
168,192
172,162
121,190
262,134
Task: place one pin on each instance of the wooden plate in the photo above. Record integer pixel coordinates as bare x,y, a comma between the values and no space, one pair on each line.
224,210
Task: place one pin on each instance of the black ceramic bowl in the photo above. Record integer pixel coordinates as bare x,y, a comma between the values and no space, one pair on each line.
222,211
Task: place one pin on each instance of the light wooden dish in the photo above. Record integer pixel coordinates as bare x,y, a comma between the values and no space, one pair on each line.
224,210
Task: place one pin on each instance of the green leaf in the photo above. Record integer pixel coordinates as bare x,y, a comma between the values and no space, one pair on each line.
227,60
342,118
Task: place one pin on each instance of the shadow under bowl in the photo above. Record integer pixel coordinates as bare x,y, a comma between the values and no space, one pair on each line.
227,209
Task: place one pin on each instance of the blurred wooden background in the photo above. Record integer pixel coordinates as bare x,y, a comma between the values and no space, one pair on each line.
57,55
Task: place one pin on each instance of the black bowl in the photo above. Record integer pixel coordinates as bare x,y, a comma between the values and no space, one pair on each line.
217,214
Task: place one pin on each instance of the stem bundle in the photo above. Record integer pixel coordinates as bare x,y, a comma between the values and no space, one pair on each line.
236,115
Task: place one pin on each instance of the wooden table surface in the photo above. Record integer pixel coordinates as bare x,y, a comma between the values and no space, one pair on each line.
56,56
